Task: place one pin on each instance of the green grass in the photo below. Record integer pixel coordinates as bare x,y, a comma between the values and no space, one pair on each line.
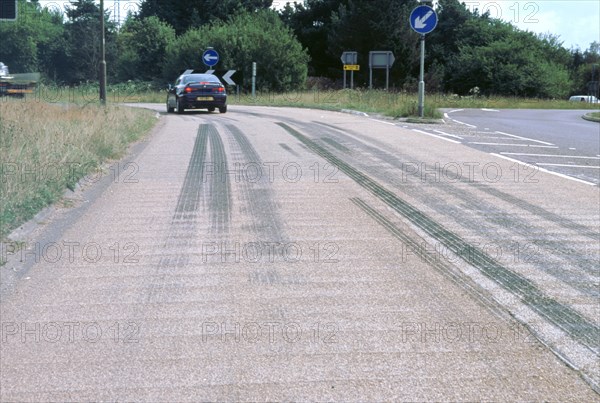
390,104
47,148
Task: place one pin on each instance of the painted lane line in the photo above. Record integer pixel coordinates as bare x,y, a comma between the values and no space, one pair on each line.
567,165
500,138
456,110
552,155
463,123
525,138
436,136
543,169
510,145
497,144
448,134
489,110
382,121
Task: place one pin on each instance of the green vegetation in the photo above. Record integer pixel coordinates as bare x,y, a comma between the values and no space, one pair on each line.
298,48
245,38
47,148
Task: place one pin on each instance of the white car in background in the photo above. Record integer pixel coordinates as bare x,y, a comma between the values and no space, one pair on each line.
584,98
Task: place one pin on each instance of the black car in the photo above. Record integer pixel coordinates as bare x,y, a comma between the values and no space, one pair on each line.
197,91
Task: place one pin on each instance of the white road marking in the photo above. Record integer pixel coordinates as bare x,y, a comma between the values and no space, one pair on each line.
497,144
552,155
568,166
544,170
382,121
489,110
436,136
463,123
448,134
525,138
510,145
456,110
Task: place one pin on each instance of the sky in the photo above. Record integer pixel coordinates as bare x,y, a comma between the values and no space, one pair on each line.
576,22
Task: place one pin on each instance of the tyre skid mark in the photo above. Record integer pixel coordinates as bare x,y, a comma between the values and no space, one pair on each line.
259,198
557,250
560,315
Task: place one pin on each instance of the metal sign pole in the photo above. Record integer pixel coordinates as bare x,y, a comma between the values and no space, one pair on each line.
102,56
422,79
253,80
387,78
344,78
352,80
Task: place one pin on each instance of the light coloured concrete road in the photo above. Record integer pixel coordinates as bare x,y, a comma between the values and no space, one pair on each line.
288,254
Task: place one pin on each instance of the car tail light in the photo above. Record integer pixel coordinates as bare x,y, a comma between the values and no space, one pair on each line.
221,89
188,89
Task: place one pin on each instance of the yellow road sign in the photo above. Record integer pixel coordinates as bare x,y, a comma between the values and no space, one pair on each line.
352,67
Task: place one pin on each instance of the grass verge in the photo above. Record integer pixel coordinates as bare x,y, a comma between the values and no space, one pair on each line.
593,117
392,104
46,148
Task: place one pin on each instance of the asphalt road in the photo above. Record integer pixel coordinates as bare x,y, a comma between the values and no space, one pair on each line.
289,254
556,140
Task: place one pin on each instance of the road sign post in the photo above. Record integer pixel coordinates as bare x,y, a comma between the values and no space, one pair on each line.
423,20
253,80
210,57
349,59
381,60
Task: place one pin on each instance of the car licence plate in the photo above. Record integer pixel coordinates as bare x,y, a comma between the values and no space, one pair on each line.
204,99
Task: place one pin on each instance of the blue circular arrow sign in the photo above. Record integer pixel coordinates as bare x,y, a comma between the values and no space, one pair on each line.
210,57
423,19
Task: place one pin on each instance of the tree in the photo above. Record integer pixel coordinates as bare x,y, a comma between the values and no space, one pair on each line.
516,65
311,22
83,42
367,25
142,47
185,14
247,37
33,42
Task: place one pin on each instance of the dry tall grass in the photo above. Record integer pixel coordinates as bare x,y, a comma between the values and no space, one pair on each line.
45,148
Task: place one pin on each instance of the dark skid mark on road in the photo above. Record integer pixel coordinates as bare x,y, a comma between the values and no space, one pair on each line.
548,255
189,197
562,316
531,208
289,149
166,285
335,144
423,252
267,223
220,188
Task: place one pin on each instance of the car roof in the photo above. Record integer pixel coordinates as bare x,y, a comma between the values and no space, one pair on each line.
199,77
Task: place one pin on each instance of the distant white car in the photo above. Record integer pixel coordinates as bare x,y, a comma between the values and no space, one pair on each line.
584,98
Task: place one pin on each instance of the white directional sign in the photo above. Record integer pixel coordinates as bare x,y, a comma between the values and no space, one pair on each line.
349,57
210,57
423,19
381,59
227,77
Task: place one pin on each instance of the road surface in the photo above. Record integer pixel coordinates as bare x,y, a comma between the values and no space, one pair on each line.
290,254
558,141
